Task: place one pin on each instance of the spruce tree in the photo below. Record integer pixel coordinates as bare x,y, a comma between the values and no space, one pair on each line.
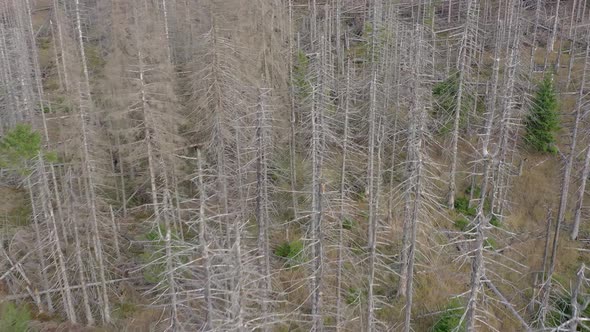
543,121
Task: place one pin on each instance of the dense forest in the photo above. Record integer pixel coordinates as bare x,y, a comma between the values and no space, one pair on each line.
294,165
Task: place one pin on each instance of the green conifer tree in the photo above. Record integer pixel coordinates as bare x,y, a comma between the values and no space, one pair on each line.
543,121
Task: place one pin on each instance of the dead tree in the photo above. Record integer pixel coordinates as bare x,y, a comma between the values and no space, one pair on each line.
580,198
565,183
465,50
263,123
417,159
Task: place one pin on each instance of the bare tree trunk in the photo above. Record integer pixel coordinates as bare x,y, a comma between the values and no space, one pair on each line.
86,102
472,14
372,230
554,29
115,233
167,30
292,142
38,241
534,42
580,199
58,23
575,318
547,235
481,222
569,161
85,298
316,218
416,163
343,170
262,202
170,264
204,245
63,273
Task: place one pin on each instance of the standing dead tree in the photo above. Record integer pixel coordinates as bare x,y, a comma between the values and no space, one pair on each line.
417,184
466,50
565,184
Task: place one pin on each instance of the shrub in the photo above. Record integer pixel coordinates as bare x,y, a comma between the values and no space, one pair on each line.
494,221
348,224
125,309
476,191
561,311
14,318
461,224
490,243
449,320
300,71
462,206
292,252
445,95
20,145
353,296
543,120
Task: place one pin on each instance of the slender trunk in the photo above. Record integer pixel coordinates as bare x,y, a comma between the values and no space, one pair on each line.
471,12
343,170
292,142
372,199
63,273
569,163
415,190
56,10
316,215
204,245
262,204
40,253
575,306
554,29
86,102
79,260
167,30
581,192
115,233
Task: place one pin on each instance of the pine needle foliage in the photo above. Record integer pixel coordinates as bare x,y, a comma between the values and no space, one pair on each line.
450,319
543,121
445,100
14,318
19,145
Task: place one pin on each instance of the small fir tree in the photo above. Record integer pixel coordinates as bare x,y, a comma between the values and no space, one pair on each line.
543,121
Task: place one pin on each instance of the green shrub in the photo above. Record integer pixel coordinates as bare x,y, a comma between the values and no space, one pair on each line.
476,191
353,296
494,221
124,309
19,146
561,310
158,236
348,224
153,267
14,318
358,248
461,224
445,95
450,319
490,243
292,252
300,71
543,121
462,206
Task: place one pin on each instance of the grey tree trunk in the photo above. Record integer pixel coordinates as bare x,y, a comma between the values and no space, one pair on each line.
580,199
469,30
